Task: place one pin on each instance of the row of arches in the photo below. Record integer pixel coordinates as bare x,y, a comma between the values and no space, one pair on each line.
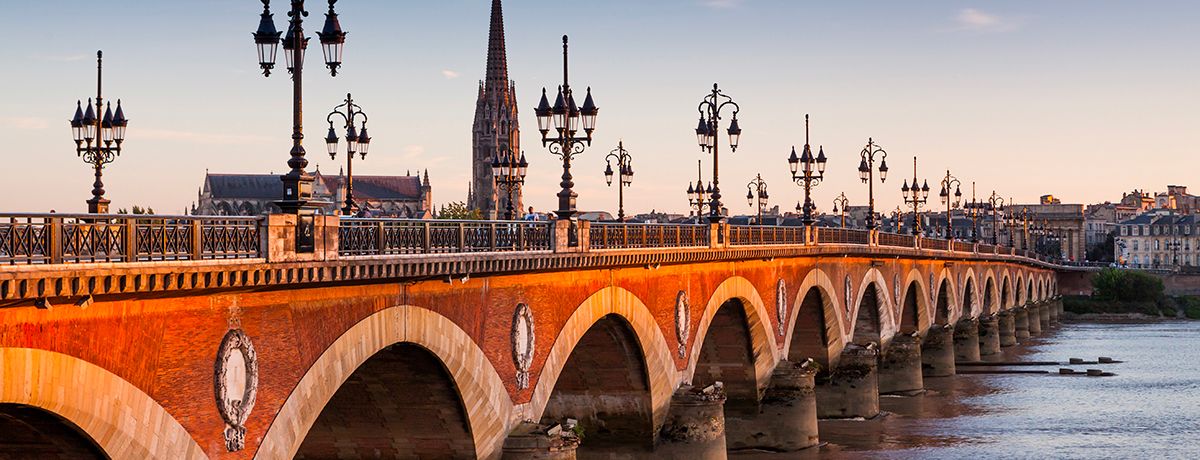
408,382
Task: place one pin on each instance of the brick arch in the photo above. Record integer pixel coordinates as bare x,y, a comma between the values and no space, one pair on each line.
762,340
660,366
1029,298
972,286
887,319
484,398
1006,292
119,417
923,307
831,324
1019,297
990,294
945,277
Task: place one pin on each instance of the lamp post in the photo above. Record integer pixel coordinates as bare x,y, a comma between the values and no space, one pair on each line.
897,219
866,172
564,117
97,152
509,173
951,201
297,183
625,166
839,207
357,141
808,172
698,194
756,193
996,205
916,196
706,135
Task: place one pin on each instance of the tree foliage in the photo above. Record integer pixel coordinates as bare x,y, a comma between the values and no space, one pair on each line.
1126,286
458,210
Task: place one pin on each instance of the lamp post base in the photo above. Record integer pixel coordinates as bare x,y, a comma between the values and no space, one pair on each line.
98,206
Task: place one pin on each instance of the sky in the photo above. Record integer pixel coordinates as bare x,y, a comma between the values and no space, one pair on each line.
1076,98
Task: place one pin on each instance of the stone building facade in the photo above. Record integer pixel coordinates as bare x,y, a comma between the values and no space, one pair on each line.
496,129
407,196
1159,240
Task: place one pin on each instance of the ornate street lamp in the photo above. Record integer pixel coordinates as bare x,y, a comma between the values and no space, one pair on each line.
996,205
509,173
757,196
706,135
866,172
297,183
840,205
915,197
357,141
97,152
807,171
952,201
625,166
974,210
698,194
564,117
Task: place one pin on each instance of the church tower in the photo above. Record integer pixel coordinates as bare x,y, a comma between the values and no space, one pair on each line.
496,128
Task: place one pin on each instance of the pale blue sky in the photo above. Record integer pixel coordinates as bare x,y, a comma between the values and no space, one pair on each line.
1082,99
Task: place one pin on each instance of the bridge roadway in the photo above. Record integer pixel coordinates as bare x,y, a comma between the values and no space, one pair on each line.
193,337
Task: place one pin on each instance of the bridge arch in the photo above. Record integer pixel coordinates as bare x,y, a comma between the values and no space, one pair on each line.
874,320
1005,292
1019,296
815,327
606,304
991,295
915,313
969,307
119,417
1029,297
738,293
481,393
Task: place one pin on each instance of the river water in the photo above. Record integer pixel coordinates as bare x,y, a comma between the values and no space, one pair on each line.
1150,409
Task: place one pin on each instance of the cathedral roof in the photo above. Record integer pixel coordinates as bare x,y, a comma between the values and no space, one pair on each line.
244,186
379,187
270,187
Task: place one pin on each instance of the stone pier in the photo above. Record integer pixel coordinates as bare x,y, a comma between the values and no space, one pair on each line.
695,427
937,351
900,368
1021,324
1035,320
966,340
530,441
989,335
1046,316
1008,328
851,389
787,419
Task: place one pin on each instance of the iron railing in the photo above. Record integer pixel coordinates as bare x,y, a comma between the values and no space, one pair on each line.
843,236
986,249
360,237
617,235
744,235
900,241
935,244
81,238
963,246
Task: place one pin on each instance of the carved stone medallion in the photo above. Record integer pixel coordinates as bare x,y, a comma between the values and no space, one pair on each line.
932,289
683,319
523,340
235,384
849,297
781,306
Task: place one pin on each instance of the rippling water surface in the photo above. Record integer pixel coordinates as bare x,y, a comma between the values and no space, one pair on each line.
1150,409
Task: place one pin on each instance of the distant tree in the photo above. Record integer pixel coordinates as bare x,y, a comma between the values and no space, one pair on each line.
458,210
136,210
1126,286
1103,252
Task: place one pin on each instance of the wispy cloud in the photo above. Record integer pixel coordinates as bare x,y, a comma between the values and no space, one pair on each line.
201,138
449,74
722,4
24,123
980,21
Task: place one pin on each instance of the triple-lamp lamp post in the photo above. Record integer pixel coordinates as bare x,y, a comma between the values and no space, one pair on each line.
706,135
756,193
565,118
866,172
509,173
698,193
839,207
996,205
625,167
94,151
297,182
951,201
807,171
357,141
915,197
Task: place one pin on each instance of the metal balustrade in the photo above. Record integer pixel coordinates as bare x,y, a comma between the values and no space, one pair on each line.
617,235
743,235
359,237
81,238
31,239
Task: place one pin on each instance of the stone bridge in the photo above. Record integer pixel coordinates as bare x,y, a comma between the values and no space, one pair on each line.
177,337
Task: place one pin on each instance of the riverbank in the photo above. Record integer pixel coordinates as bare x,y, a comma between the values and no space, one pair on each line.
1116,318
1186,307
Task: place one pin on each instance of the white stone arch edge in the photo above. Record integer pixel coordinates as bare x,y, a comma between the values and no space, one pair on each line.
119,417
486,402
972,278
953,307
830,295
660,366
924,315
887,320
762,339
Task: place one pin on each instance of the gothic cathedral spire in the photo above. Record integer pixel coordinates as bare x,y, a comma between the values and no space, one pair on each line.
496,128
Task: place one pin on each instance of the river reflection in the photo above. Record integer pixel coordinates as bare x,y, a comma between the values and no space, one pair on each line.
1150,409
